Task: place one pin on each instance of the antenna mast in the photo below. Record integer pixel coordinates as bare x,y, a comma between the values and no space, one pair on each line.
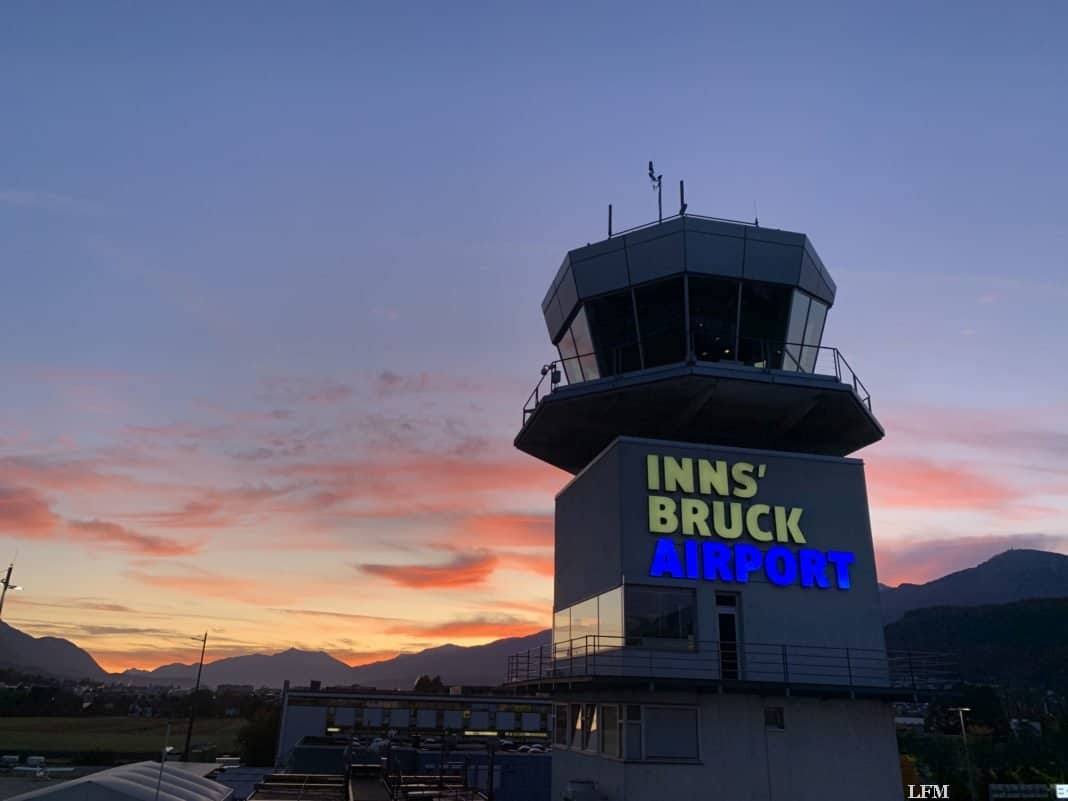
658,186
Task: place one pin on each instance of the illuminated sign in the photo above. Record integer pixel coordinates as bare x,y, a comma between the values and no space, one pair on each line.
712,501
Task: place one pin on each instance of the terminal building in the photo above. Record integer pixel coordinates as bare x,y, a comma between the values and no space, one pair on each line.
717,630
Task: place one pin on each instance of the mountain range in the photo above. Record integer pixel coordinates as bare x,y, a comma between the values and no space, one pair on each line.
1012,576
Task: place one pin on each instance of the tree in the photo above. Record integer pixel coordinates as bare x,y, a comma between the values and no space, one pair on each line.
259,737
425,684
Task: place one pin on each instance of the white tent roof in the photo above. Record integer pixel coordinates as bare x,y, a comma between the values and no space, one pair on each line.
134,782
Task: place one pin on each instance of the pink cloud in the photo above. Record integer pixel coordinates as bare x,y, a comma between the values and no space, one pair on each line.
464,570
919,483
112,534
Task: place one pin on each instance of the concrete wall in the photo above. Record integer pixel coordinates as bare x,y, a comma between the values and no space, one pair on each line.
603,540
830,750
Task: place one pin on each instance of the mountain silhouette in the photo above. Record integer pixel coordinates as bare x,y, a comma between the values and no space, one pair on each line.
50,656
1014,575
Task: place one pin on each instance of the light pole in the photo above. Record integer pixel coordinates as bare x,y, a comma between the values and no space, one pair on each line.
163,757
193,700
960,710
5,582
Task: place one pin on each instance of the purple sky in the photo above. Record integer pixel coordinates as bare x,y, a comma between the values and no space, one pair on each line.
273,278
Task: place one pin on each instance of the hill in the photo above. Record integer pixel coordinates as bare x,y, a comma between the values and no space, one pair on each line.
1022,644
1014,575
478,665
52,656
259,670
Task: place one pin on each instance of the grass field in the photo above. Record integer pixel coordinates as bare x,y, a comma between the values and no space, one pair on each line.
118,734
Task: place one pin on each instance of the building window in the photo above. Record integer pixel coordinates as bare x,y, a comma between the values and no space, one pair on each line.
569,358
660,616
615,337
590,728
561,633
560,725
633,732
765,309
662,322
671,732
611,730
580,329
576,726
775,718
713,317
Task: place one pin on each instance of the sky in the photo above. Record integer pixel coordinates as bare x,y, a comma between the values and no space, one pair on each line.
272,278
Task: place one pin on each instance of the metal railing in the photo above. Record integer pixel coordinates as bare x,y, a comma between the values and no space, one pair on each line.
670,348
779,664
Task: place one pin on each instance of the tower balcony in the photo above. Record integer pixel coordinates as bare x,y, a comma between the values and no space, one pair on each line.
700,387
593,661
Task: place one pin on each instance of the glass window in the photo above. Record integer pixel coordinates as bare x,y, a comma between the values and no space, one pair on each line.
589,730
795,331
659,615
562,634
661,319
765,308
633,739
576,725
670,732
560,724
568,358
584,625
580,329
610,730
713,317
775,718
615,337
610,618
813,334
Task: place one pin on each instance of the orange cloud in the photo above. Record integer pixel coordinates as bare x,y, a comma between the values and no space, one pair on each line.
540,563
465,570
205,584
474,628
113,534
923,484
508,529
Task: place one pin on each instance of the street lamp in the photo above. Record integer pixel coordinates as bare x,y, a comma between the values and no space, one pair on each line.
960,710
5,582
163,758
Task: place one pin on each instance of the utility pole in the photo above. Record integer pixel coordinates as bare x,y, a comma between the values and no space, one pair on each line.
7,585
193,700
960,710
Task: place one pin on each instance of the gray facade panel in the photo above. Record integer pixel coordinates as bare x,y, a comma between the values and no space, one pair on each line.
656,258
554,319
775,236
566,294
812,280
588,530
715,255
600,274
555,282
810,249
766,261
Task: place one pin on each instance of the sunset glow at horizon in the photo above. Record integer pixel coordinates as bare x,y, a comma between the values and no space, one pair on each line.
272,287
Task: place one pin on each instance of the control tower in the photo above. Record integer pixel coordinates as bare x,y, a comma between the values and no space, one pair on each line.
717,632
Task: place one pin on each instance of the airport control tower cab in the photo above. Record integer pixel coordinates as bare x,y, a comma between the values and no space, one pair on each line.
717,632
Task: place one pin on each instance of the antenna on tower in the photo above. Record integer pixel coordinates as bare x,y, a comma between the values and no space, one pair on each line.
658,186
609,220
756,217
682,198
